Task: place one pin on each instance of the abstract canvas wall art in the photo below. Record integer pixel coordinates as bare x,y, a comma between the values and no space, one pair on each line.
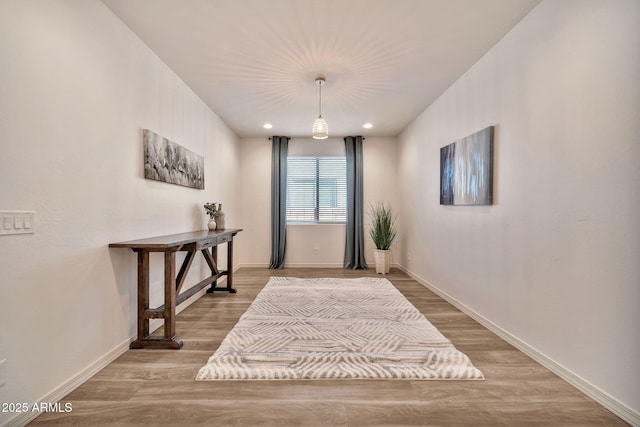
466,170
167,161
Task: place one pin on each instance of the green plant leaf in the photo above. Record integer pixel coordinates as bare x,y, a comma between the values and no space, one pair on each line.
383,225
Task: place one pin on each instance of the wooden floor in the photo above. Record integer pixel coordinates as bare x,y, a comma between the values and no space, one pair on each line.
157,387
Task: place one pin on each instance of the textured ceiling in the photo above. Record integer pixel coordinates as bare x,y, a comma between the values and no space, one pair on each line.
255,61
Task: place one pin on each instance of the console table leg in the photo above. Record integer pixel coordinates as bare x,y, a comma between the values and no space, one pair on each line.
230,267
169,295
214,255
143,296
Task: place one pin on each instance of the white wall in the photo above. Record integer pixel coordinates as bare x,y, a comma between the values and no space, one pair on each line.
76,88
554,263
379,164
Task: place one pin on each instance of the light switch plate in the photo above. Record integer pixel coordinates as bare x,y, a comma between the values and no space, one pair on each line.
17,222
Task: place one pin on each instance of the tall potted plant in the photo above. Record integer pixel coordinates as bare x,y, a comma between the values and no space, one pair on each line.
382,231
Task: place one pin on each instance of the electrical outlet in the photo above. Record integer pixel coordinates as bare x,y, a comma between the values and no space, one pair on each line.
22,222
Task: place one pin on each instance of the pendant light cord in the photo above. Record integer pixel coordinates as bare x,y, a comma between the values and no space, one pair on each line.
320,100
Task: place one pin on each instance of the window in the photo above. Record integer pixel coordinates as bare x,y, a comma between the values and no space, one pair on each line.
317,189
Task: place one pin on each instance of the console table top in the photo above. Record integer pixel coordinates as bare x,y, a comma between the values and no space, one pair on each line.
173,240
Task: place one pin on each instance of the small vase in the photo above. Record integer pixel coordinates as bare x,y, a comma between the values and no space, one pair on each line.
211,224
220,218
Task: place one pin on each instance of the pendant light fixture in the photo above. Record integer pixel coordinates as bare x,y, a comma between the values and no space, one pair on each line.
320,128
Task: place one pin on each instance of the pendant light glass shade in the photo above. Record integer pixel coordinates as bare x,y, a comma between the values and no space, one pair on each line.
320,128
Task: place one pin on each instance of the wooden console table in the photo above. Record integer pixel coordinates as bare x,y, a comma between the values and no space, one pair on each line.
204,241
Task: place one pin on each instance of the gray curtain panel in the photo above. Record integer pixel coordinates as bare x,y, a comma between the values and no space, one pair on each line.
279,147
354,248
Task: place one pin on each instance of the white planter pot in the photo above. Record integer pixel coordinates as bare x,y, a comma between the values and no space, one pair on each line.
383,260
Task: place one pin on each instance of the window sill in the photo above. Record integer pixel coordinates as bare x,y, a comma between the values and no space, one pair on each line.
315,223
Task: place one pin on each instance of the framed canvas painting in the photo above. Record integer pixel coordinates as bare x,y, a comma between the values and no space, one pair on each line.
466,170
167,161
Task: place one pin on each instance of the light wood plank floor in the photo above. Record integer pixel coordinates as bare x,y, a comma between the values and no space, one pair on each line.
157,387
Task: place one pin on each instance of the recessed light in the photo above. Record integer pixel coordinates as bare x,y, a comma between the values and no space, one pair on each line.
267,126
367,126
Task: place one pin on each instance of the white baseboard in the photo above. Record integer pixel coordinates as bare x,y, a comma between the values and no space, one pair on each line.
85,374
311,265
71,384
308,265
288,265
603,398
254,265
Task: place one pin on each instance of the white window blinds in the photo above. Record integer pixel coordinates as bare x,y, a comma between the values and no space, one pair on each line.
316,189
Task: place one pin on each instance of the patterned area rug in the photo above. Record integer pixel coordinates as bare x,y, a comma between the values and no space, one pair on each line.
335,329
